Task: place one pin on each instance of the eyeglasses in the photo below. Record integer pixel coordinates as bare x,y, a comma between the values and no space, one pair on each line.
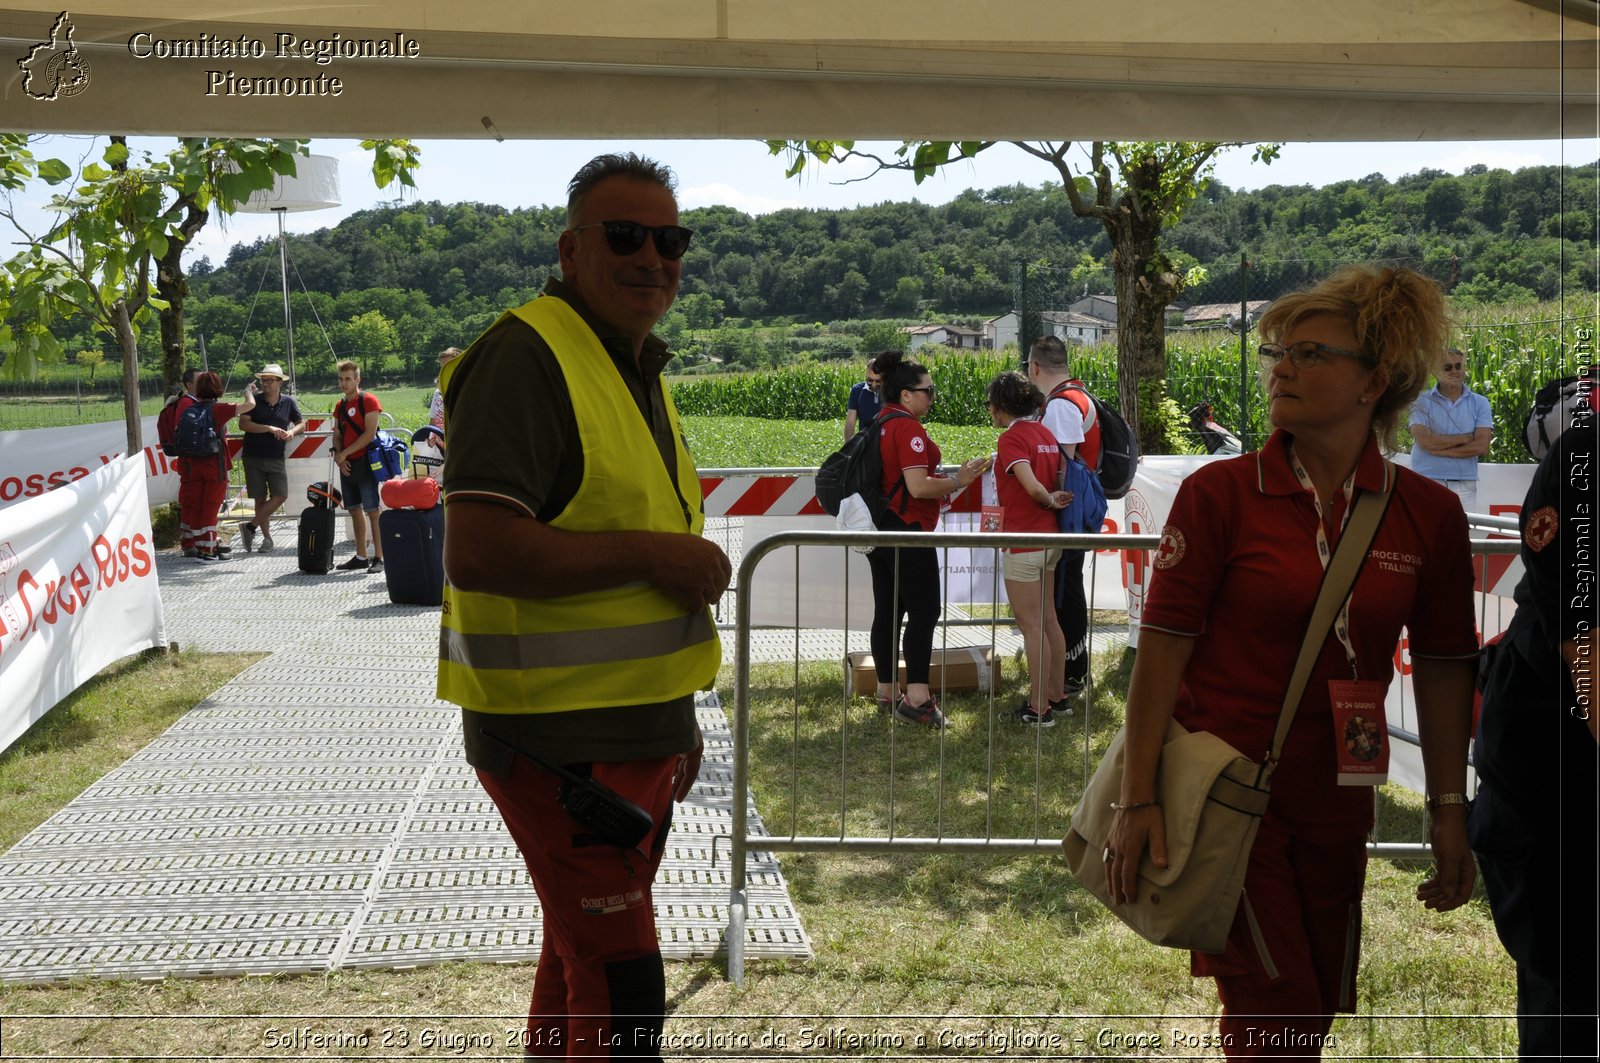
930,389
1454,367
1306,354
627,237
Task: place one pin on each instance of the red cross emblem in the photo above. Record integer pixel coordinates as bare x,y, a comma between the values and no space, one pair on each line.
1172,547
1541,529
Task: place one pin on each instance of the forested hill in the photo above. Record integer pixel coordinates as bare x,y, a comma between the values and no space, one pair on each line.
1490,235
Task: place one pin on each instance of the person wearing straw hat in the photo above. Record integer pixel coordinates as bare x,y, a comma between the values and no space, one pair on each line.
275,420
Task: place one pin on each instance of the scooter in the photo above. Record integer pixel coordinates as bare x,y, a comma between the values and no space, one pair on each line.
1217,439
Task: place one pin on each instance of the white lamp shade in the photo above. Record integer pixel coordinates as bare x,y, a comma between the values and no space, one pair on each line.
315,186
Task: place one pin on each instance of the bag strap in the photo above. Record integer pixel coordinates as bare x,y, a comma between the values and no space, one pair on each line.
1338,583
884,416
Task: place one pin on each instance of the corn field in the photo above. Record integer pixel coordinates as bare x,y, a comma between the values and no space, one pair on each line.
1506,364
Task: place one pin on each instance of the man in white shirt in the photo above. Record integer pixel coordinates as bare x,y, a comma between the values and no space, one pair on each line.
1063,415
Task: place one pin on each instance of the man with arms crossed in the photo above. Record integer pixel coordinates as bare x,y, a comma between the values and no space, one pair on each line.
1452,426
576,623
274,421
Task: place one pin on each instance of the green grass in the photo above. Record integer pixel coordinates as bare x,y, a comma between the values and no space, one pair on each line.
757,443
97,727
408,406
939,947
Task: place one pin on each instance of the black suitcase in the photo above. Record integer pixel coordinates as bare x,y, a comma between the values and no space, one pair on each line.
413,555
317,528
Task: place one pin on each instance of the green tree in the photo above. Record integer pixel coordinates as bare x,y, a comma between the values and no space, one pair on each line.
1135,191
905,298
94,358
883,336
700,311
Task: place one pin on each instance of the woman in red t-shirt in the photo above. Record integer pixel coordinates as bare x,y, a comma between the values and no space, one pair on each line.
905,580
1027,469
203,482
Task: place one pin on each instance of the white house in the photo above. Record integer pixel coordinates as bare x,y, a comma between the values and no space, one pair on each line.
1072,328
956,336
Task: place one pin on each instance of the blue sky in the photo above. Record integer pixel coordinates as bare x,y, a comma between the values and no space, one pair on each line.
743,175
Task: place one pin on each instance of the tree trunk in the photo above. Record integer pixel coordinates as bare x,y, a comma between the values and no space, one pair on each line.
1144,288
130,376
173,286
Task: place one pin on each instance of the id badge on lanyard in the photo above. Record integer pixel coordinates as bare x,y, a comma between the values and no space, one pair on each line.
1360,730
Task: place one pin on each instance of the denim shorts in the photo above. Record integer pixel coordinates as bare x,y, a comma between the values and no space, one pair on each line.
359,487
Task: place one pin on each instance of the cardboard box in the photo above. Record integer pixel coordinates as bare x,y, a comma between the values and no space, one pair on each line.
954,668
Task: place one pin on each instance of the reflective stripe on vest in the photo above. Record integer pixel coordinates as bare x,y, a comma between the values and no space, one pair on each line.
618,646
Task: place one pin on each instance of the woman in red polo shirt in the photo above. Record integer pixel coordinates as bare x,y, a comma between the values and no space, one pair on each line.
905,580
1243,554
1027,471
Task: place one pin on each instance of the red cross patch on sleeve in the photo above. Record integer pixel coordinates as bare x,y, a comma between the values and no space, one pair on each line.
1172,547
1541,528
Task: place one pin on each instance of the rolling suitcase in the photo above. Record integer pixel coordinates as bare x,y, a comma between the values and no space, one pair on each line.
413,555
317,527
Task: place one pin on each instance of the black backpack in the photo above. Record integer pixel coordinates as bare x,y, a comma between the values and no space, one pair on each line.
1119,448
857,469
1555,407
194,435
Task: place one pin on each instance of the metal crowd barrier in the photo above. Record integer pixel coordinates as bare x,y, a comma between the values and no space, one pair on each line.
743,842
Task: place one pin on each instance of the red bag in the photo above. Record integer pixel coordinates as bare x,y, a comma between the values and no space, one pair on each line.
409,494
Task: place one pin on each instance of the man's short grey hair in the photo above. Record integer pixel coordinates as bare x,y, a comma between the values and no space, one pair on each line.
633,166
1049,353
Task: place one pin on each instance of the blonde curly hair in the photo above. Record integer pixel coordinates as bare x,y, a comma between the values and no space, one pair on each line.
1399,318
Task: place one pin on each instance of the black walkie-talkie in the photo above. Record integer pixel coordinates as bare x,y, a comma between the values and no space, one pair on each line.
590,803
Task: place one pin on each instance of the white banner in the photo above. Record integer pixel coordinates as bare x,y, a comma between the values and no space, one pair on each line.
78,589
37,460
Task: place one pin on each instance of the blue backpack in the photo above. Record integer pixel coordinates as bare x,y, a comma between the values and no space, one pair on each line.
387,456
1086,513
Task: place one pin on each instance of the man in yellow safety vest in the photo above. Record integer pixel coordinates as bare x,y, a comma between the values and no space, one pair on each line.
576,625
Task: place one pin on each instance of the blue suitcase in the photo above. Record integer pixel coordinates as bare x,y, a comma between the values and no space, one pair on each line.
413,555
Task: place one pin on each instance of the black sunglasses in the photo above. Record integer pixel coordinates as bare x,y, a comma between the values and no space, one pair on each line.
626,237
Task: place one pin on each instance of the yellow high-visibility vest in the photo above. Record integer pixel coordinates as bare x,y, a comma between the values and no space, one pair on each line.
617,646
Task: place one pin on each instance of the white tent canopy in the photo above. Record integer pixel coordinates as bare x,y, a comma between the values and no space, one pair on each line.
1245,70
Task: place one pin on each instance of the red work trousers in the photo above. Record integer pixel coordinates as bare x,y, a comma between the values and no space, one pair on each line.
1290,961
199,500
599,989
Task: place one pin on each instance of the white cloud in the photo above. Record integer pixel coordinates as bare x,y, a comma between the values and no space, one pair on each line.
720,194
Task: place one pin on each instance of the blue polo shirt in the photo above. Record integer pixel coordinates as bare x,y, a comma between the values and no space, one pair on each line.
1442,416
865,402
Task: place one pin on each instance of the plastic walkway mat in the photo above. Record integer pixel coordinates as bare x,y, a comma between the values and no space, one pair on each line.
317,813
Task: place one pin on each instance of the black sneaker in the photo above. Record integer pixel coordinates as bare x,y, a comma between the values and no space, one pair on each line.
1062,707
376,567
224,551
926,715
247,534
1073,687
1025,714
354,564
